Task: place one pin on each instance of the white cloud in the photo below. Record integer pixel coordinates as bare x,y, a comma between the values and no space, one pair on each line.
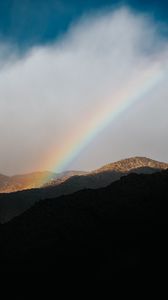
47,95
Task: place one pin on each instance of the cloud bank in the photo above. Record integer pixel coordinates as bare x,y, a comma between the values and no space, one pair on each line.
49,95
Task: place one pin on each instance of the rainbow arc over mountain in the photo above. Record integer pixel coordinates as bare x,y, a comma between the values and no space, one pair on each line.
134,90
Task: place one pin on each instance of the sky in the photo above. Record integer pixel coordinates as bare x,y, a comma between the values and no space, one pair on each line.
82,83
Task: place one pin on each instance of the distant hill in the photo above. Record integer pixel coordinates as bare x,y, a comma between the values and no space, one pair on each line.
93,234
61,177
3,181
9,184
14,204
15,183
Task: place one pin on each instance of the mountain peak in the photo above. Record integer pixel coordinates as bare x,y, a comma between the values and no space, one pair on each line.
125,165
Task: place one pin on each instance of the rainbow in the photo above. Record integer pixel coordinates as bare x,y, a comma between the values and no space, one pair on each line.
133,91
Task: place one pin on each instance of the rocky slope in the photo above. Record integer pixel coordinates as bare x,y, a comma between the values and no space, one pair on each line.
129,164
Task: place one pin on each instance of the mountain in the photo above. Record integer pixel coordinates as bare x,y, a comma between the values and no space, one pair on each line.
3,181
14,204
9,184
61,177
129,164
15,183
94,234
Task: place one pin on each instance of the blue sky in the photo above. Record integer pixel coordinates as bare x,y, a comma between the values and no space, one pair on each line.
65,63
28,23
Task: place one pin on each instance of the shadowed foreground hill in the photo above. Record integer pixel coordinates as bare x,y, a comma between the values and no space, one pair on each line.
14,204
93,233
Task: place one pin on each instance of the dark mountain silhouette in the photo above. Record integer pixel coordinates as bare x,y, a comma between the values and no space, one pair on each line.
14,204
121,228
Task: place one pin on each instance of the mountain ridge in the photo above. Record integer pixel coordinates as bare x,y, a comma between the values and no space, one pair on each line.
14,183
127,164
32,180
14,204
